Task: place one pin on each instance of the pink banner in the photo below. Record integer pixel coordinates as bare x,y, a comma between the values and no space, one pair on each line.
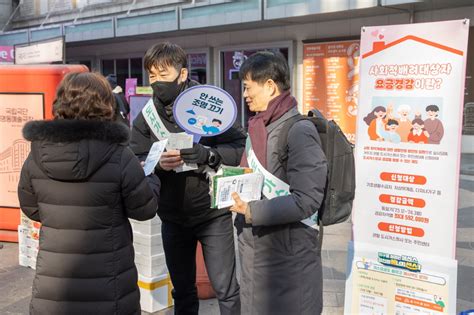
130,86
408,135
7,55
408,147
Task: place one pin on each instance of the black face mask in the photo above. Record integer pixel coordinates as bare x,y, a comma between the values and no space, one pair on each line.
166,92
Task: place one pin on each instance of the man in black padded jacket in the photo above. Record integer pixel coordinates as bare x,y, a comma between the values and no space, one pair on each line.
185,202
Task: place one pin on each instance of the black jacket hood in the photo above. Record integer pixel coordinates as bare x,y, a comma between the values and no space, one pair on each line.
72,150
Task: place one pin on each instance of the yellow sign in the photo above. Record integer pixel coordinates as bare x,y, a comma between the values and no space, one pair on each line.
144,90
383,281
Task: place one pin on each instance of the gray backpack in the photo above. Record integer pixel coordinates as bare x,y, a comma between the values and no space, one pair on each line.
340,187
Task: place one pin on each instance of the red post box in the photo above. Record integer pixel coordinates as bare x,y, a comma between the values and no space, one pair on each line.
26,93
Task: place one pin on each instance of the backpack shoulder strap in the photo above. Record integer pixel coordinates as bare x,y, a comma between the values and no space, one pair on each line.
283,138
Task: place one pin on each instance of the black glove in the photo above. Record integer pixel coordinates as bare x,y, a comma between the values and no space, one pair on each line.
198,154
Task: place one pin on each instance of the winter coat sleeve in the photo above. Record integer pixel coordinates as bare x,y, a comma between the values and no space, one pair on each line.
230,145
26,194
139,197
140,141
306,173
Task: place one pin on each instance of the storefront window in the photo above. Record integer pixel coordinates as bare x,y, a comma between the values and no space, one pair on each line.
87,63
136,70
121,68
231,62
468,117
197,64
108,67
124,69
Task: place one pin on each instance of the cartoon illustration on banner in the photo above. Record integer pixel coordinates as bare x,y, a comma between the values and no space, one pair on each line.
406,119
408,126
407,160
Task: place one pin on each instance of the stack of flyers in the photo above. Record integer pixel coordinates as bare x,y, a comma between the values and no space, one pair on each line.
235,179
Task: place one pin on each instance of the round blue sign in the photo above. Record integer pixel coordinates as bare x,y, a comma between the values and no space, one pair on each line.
205,110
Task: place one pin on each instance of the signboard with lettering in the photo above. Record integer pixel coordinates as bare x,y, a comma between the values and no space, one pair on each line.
16,110
40,52
205,110
331,82
408,147
7,54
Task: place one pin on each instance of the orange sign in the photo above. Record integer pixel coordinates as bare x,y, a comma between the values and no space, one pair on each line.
401,229
401,200
16,110
331,82
403,178
424,304
28,85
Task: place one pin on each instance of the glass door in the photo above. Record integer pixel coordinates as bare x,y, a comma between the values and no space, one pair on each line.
231,60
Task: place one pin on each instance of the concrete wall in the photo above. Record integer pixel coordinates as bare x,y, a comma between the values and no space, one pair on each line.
74,10
194,13
5,11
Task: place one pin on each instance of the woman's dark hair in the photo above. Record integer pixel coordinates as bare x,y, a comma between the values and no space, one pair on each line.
163,55
432,108
371,116
84,95
266,65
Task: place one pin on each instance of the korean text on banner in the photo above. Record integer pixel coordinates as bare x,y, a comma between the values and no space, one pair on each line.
331,82
408,136
407,156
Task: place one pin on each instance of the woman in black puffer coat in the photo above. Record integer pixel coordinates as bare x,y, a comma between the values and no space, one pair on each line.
82,183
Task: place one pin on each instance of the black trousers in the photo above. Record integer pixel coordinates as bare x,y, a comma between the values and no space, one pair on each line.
217,239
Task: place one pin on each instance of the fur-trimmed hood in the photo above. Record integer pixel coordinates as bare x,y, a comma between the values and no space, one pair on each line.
68,130
73,150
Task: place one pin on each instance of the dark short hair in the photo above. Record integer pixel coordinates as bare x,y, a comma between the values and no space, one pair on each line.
165,54
217,120
84,95
112,79
265,65
432,108
392,122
